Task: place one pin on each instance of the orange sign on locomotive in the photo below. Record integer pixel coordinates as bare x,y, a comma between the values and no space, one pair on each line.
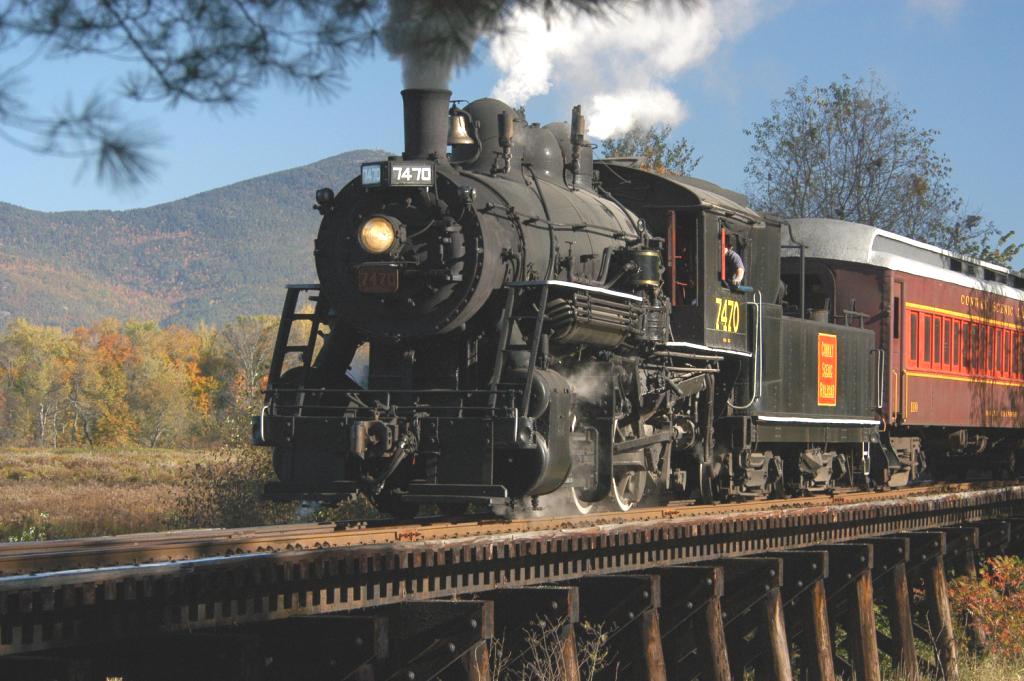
828,358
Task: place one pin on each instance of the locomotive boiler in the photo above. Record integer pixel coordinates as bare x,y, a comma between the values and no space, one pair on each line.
546,333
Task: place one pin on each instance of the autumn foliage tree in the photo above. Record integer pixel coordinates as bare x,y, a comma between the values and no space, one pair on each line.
131,383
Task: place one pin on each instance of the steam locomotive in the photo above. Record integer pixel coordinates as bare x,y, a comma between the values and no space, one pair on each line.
549,334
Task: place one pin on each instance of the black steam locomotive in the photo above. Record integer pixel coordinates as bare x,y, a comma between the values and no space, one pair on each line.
549,333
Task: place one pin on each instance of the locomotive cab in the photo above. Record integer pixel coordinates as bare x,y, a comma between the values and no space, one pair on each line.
697,222
791,413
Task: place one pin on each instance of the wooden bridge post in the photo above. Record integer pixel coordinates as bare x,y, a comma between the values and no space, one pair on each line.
893,592
850,582
570,654
962,545
863,636
627,606
711,636
993,536
803,593
778,663
1015,540
753,603
692,631
476,664
429,637
927,550
817,649
520,612
937,596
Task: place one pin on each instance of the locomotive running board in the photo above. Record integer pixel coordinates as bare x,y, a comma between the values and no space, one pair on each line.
427,493
580,287
815,419
337,490
706,348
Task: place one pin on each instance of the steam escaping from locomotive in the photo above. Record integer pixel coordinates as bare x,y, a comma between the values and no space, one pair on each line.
588,383
614,61
618,112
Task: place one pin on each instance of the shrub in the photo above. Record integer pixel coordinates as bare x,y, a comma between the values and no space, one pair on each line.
996,603
225,491
32,530
543,658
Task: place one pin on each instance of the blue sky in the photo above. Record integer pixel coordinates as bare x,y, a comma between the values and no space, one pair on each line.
959,64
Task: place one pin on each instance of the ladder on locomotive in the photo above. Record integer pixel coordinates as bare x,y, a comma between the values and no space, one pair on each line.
505,345
289,315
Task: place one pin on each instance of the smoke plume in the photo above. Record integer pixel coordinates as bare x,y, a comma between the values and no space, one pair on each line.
433,38
617,65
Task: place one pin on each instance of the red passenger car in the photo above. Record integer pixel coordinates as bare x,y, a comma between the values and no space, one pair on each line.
949,329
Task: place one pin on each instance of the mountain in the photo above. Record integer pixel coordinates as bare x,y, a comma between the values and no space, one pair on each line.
212,256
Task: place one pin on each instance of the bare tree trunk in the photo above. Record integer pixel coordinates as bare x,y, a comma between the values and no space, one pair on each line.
41,437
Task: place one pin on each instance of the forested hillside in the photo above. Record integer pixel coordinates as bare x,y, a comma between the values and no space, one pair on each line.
208,257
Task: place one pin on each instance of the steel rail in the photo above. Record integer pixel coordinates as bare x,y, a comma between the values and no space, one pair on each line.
142,548
86,606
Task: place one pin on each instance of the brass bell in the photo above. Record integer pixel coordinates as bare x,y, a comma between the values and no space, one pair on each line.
457,132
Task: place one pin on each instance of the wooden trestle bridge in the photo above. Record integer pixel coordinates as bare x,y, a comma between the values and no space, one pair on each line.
787,589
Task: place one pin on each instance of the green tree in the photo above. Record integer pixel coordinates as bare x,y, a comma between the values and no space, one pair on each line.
653,150
851,150
239,358
34,370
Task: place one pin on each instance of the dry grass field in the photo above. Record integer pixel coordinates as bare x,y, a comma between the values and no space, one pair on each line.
78,493
54,494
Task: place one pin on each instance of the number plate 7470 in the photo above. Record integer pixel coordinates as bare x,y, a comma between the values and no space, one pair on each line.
377,279
412,174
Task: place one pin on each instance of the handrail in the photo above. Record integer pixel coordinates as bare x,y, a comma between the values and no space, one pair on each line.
758,355
880,375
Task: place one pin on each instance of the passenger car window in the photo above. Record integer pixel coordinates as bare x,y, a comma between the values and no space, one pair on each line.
956,344
913,336
927,339
945,341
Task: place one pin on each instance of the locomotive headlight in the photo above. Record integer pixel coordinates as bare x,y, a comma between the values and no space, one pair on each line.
377,235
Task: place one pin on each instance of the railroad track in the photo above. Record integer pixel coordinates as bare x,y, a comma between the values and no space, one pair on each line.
162,547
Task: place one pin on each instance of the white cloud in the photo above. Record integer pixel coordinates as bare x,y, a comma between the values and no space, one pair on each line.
618,66
945,10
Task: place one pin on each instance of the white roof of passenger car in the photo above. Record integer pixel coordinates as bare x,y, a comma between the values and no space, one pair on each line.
853,242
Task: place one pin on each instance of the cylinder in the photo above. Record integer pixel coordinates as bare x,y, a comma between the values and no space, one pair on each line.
426,123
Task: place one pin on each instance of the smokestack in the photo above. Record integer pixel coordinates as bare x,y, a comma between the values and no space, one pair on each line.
426,123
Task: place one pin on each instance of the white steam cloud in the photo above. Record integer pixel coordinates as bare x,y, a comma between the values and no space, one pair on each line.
619,111
617,65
